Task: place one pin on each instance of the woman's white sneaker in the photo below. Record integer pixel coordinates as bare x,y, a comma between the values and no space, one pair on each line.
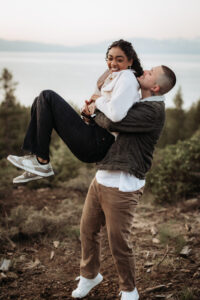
26,177
85,285
30,164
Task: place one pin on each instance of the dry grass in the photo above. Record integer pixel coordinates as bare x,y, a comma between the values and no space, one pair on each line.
29,222
168,235
187,294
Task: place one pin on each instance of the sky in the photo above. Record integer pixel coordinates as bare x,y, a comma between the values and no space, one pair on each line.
78,22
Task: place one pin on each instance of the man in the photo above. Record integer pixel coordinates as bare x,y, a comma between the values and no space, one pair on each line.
118,185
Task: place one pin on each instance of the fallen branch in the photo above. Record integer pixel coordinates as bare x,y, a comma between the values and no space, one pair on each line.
165,255
155,288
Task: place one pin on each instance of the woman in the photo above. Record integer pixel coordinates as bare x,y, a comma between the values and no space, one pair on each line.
89,143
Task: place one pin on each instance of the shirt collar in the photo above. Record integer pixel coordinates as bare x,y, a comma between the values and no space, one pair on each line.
154,98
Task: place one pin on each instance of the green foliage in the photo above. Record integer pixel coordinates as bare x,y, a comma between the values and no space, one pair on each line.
180,124
192,119
8,86
174,175
13,118
174,125
178,100
7,172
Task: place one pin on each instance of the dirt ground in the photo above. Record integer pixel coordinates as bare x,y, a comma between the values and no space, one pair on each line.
44,266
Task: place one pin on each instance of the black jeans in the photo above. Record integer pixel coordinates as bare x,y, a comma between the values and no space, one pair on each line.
89,143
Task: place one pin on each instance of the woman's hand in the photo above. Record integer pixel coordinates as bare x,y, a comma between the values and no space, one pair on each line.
91,108
88,108
93,98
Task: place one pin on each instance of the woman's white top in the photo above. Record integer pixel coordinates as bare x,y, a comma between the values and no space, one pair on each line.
118,94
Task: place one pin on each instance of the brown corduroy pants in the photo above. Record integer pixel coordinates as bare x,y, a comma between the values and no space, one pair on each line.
115,209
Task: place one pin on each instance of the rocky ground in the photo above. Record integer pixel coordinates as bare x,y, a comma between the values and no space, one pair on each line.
40,248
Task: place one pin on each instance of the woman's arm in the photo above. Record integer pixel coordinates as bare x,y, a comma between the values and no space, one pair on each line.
124,95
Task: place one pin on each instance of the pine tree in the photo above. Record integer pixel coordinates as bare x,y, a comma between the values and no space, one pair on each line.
174,124
9,87
178,99
13,117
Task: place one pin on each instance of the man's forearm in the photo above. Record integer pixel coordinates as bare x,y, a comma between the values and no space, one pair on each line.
140,118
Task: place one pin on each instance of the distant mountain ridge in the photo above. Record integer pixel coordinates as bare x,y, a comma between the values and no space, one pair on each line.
142,45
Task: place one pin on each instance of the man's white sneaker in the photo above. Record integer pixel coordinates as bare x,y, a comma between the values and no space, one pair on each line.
30,164
130,295
26,177
85,285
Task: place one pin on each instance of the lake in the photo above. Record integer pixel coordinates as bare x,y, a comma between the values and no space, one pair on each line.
73,75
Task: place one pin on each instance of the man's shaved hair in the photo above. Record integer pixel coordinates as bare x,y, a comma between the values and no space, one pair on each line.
166,81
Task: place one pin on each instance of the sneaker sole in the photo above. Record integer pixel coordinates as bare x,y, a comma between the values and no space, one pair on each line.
27,180
29,169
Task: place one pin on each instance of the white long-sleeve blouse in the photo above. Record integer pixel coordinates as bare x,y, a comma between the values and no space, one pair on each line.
118,94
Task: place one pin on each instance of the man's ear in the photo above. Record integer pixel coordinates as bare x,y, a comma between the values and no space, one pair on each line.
155,89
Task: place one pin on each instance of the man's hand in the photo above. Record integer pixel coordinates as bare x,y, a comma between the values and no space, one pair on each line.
87,110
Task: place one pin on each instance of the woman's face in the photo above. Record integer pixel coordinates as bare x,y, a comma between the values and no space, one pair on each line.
117,60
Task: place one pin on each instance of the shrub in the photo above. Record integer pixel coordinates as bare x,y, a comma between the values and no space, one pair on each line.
174,175
65,164
7,173
29,222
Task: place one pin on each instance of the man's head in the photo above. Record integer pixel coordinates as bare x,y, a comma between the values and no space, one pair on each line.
157,81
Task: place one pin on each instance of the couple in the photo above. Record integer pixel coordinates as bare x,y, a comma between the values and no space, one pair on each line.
120,133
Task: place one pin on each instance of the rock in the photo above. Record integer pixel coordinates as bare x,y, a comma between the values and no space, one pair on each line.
185,252
52,255
2,276
5,265
156,241
149,270
56,244
188,227
154,231
22,258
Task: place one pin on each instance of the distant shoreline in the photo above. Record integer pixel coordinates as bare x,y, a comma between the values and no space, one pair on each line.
142,45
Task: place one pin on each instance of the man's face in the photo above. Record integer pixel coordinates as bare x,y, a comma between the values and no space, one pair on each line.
149,79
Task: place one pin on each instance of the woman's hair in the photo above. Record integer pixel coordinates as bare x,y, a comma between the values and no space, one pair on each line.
128,49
